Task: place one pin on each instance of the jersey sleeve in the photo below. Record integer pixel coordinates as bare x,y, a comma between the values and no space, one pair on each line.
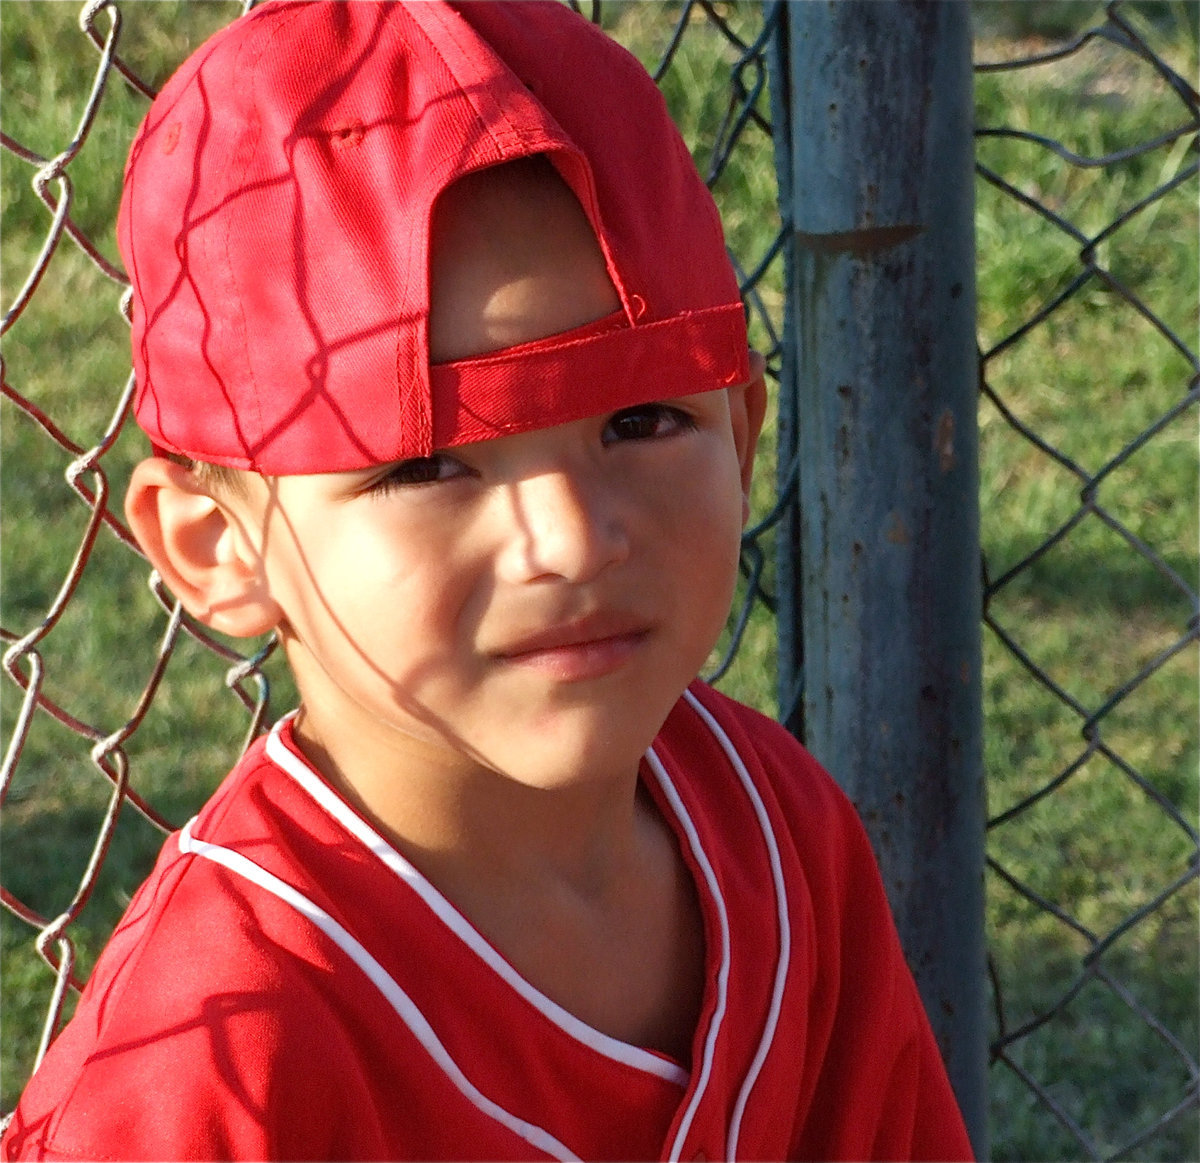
217,1066
882,1090
870,1083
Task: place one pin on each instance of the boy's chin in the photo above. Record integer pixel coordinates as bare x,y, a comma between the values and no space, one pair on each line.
586,744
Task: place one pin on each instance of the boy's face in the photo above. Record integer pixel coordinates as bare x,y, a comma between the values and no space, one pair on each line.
532,605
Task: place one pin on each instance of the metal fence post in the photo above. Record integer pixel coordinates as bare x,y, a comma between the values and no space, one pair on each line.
881,188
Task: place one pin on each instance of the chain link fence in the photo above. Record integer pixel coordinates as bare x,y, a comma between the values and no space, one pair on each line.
1087,162
1090,580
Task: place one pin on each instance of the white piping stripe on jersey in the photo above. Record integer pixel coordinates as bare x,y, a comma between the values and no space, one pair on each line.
781,904
609,1047
534,1135
710,1041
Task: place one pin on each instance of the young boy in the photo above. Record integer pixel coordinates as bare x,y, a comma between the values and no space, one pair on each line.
446,374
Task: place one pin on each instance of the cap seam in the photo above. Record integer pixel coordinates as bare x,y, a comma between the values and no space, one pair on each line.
434,12
524,140
252,386
504,145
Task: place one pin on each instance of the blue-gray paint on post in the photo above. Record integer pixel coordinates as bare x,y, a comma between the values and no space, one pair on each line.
885,381
788,626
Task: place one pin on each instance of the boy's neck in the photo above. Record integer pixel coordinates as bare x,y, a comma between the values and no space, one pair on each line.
455,818
582,888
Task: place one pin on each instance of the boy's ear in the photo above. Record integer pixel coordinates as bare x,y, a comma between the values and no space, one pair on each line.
748,409
200,548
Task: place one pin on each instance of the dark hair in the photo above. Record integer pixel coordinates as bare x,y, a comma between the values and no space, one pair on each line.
217,477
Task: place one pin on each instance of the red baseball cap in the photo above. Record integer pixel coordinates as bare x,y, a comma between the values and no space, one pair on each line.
276,217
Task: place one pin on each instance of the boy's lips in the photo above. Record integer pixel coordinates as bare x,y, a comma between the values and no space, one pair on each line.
588,648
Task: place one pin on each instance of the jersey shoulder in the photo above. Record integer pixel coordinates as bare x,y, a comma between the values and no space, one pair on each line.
774,758
210,998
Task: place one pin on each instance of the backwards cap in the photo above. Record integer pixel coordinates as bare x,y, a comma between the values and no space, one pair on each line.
276,224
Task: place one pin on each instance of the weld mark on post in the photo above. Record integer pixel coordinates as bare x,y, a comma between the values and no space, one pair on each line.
860,243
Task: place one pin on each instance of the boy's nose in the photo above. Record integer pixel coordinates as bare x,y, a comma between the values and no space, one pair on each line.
562,526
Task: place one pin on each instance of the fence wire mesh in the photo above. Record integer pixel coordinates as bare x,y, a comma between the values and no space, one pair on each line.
109,673
1086,156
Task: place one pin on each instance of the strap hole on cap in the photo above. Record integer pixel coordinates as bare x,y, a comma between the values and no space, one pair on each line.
346,136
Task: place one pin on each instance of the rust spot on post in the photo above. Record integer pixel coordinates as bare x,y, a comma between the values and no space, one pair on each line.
860,243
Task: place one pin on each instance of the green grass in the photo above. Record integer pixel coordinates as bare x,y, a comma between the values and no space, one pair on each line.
1091,612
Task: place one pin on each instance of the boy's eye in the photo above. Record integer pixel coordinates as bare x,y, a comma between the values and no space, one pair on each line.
420,470
646,422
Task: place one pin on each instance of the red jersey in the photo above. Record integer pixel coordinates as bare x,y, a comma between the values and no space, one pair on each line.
286,985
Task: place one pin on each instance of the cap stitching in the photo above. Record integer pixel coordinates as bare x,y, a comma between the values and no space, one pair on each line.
253,448
503,144
551,345
451,30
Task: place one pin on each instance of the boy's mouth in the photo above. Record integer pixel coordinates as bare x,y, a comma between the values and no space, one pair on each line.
589,648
